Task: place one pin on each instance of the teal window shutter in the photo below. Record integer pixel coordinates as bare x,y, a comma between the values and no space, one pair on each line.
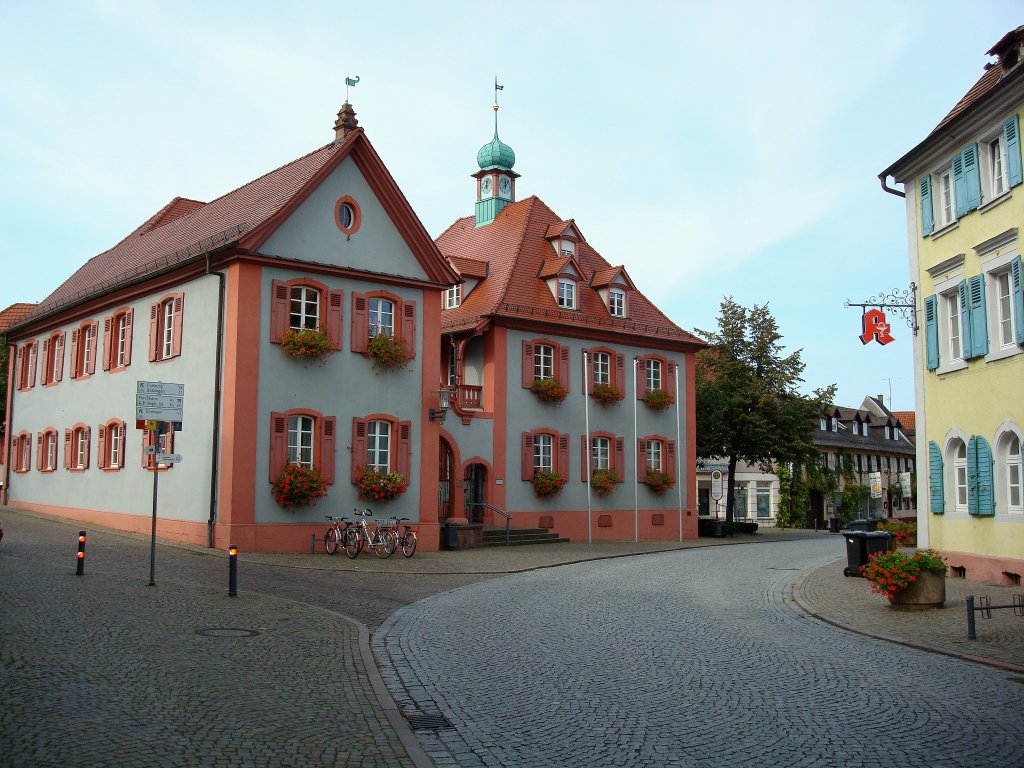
972,475
927,215
972,177
931,332
1017,286
935,493
979,321
959,185
1011,138
983,489
965,320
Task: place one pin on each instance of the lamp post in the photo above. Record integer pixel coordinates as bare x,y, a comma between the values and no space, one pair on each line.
444,399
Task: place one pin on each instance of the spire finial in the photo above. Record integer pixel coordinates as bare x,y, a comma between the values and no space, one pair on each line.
496,106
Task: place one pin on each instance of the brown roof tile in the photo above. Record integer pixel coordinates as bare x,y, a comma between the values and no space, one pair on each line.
14,314
516,246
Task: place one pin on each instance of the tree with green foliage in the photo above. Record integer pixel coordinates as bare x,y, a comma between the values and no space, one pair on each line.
748,405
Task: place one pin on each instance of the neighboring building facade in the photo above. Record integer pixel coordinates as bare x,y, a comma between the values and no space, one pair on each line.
853,443
964,208
202,295
539,306
757,492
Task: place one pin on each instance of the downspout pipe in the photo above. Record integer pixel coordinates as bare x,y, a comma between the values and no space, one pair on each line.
882,179
217,376
12,368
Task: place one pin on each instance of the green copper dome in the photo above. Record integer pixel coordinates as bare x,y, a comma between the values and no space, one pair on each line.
496,154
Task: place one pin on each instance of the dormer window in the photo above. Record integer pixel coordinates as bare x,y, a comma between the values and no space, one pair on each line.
566,293
567,247
888,432
617,302
823,423
856,427
453,296
835,424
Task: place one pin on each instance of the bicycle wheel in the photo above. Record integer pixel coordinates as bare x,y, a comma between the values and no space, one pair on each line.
409,543
384,543
353,542
331,541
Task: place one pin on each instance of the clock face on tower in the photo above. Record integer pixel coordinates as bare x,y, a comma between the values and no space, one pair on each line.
505,186
485,186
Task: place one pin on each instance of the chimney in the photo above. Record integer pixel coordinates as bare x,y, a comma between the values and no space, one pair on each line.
881,400
346,122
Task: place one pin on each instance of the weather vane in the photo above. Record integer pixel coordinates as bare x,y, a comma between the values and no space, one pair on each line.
496,89
350,81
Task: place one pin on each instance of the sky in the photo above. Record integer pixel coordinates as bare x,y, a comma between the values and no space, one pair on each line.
715,151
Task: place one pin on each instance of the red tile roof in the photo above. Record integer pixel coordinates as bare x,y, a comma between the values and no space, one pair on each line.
185,228
516,247
908,419
14,314
474,268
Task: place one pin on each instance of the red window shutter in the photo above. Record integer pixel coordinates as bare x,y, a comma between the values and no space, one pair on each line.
590,371
59,352
670,458
619,459
563,456
39,451
154,332
641,378
641,458
101,447
563,367
280,309
87,436
618,375
402,460
75,343
108,345
584,459
278,444
179,316
128,336
409,326
670,378
528,371
67,449
19,368
336,315
358,445
47,367
327,448
526,456
360,324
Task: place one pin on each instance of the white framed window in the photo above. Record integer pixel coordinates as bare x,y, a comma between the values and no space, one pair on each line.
654,374
115,435
1005,322
764,499
453,296
823,424
835,424
1014,477
654,456
304,308
566,293
888,432
959,449
602,368
954,346
80,444
998,181
542,445
300,440
167,330
856,427
29,371
88,348
600,453
741,508
378,445
121,344
947,199
543,362
382,317
616,302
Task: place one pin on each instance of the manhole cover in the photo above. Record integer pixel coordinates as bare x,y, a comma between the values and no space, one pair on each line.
428,722
226,632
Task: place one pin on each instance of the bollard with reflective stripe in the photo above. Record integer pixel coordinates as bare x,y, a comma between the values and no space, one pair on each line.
232,571
81,554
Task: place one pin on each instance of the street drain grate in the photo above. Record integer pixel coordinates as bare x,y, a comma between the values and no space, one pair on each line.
428,722
226,632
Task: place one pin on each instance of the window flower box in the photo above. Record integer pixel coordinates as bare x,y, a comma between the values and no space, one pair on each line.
307,344
658,482
381,486
388,352
604,481
547,483
658,399
298,486
548,391
607,394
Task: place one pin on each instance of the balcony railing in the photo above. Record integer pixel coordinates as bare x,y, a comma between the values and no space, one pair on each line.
469,397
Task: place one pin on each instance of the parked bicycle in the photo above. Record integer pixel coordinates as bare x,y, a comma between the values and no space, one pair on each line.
407,538
381,539
335,536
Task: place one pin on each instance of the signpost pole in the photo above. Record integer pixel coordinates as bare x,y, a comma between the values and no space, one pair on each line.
152,541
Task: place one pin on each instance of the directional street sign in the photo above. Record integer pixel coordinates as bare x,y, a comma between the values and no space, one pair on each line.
168,458
160,388
159,401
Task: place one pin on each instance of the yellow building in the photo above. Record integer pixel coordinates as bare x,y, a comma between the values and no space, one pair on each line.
964,206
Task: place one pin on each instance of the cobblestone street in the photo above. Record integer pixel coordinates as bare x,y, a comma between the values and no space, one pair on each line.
695,658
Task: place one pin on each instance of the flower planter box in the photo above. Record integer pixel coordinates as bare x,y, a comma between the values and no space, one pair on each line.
929,591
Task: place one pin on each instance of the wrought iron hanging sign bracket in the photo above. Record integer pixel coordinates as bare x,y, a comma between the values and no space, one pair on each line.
874,326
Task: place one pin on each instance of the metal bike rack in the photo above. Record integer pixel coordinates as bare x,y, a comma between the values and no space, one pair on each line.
985,608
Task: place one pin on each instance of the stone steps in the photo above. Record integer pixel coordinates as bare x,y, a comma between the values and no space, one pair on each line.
495,536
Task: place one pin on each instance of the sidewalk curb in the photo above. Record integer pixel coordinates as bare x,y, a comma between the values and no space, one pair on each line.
796,594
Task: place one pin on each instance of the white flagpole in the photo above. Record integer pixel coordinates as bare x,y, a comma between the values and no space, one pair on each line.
679,458
636,468
586,453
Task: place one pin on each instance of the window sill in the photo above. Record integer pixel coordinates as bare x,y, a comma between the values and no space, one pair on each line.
996,201
952,368
945,230
1002,354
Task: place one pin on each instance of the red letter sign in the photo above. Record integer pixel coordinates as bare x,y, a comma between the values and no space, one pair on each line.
875,327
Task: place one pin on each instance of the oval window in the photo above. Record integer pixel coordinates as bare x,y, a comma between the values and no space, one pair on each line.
347,215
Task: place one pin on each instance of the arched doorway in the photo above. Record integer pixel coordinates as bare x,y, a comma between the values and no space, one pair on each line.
475,484
444,483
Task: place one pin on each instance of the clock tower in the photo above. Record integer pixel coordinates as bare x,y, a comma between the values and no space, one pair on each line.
496,181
